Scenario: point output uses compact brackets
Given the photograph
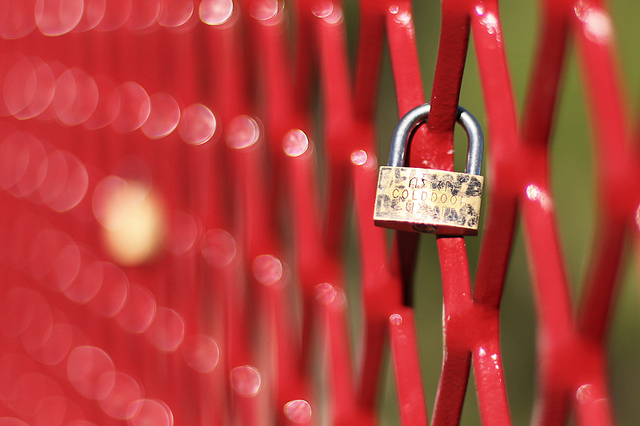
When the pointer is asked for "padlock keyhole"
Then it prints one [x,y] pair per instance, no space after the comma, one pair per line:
[429,229]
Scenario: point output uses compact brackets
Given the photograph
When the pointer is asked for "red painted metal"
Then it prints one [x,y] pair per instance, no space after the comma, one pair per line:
[471,318]
[406,364]
[246,296]
[563,338]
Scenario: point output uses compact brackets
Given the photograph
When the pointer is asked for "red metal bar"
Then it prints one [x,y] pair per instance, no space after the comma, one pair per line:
[343,398]
[606,102]
[404,61]
[561,339]
[470,325]
[502,147]
[406,364]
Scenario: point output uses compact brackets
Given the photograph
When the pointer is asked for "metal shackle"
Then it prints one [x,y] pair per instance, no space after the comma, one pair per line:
[418,115]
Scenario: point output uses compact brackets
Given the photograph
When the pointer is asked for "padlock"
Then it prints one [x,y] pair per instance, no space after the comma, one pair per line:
[426,200]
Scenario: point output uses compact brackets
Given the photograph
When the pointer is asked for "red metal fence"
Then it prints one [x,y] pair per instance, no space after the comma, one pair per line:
[186,188]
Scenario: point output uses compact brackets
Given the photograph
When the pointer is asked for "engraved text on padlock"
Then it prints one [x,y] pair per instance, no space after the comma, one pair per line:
[425,200]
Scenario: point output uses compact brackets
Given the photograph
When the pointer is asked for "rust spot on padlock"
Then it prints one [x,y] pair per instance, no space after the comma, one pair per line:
[426,200]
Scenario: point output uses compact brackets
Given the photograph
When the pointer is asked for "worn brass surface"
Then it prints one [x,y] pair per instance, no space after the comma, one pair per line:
[425,200]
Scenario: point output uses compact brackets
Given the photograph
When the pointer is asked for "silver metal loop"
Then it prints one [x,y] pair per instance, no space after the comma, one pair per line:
[419,115]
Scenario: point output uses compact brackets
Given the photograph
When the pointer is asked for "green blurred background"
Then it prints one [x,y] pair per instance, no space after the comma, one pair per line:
[573,186]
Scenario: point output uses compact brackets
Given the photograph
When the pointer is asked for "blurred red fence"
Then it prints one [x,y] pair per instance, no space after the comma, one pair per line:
[177,182]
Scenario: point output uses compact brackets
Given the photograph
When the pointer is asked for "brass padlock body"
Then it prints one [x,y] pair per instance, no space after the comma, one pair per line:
[426,200]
